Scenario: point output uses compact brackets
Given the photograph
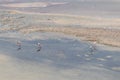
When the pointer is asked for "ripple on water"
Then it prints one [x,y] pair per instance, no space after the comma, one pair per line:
[101,59]
[116,68]
[108,57]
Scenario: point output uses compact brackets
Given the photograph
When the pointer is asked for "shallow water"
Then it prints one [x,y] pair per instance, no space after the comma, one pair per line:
[61,57]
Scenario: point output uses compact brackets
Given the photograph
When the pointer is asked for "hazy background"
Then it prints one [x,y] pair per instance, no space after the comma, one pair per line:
[102,8]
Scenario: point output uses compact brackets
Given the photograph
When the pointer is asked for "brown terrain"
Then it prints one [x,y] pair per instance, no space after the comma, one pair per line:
[103,36]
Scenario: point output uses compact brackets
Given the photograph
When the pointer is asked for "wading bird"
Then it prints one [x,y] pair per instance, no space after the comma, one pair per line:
[39,47]
[92,48]
[19,45]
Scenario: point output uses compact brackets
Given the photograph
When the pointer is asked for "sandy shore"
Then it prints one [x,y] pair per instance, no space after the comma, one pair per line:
[103,36]
[101,30]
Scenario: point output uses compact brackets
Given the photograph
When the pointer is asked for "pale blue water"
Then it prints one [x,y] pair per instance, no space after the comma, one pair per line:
[61,56]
